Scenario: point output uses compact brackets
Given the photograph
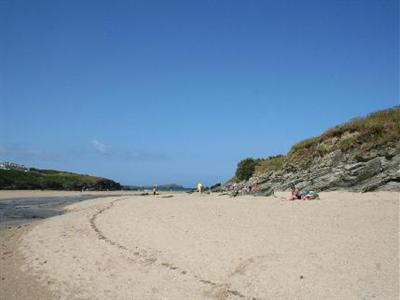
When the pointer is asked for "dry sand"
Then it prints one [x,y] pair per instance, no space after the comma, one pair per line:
[344,246]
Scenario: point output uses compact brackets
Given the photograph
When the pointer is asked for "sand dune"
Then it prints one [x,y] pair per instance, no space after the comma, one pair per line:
[344,246]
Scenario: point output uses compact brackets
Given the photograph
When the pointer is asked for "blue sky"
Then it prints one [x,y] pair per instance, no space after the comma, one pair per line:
[148,92]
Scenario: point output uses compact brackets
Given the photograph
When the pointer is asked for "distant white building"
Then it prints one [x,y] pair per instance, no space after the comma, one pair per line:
[12,166]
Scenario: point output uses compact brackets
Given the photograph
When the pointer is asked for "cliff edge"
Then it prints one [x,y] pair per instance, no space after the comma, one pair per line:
[362,155]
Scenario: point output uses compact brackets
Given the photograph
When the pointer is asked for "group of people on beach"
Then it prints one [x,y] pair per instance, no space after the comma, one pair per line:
[235,190]
[297,195]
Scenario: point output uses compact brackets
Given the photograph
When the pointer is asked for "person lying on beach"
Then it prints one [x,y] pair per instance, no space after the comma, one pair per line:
[305,196]
[309,195]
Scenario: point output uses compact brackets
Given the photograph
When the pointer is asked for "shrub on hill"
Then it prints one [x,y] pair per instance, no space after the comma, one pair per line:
[245,169]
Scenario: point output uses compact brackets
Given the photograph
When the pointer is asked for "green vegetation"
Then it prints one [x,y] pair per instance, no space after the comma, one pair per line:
[359,136]
[250,166]
[53,180]
[269,164]
[379,129]
[245,169]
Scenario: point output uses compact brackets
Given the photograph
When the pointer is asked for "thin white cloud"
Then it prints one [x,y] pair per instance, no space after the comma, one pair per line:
[98,146]
[121,154]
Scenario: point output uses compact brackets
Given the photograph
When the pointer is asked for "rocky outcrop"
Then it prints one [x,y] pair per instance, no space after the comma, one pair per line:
[375,170]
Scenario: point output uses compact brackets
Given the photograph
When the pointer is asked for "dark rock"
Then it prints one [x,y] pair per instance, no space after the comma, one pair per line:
[216,188]
[378,170]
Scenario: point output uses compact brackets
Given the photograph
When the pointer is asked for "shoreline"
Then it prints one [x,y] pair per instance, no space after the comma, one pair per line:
[11,194]
[23,207]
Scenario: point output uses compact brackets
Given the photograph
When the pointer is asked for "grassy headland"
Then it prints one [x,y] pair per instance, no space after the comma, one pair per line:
[53,180]
[359,136]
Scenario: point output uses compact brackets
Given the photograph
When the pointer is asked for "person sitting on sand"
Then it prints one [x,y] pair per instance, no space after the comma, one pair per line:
[295,193]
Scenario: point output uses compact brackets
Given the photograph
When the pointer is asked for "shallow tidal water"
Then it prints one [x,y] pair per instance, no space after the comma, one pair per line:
[25,210]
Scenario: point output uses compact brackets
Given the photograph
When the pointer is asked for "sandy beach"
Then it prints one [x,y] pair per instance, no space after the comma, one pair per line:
[344,246]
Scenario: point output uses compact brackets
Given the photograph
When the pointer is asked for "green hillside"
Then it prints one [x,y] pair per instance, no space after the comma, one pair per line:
[53,180]
[359,137]
[379,129]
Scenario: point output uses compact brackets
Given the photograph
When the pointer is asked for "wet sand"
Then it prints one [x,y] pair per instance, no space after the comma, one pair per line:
[24,207]
[344,246]
[11,194]
[14,283]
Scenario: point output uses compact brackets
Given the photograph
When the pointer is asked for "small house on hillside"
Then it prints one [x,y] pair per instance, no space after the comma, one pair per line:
[12,166]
